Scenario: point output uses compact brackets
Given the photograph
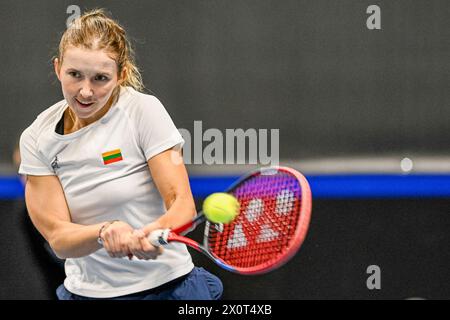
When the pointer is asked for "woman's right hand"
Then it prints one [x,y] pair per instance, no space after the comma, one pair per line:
[116,238]
[141,247]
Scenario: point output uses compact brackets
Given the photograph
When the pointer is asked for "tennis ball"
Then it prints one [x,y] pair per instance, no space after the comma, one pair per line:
[221,207]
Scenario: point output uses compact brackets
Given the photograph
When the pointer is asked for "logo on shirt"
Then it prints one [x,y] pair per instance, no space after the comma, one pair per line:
[112,156]
[55,163]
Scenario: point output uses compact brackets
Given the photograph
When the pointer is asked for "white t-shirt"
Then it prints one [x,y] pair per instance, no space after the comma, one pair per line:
[104,173]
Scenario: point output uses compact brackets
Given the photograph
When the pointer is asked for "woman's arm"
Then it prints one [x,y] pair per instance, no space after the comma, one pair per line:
[49,213]
[170,176]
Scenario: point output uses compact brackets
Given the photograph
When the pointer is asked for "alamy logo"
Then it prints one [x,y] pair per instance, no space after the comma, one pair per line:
[374,20]
[231,146]
[75,12]
[374,280]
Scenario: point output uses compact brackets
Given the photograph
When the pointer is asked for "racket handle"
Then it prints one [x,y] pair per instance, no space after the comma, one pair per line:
[159,237]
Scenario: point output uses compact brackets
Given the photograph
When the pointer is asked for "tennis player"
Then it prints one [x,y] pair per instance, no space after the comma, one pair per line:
[101,175]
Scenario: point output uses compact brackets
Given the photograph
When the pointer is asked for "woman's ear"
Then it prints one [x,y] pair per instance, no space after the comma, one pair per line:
[57,66]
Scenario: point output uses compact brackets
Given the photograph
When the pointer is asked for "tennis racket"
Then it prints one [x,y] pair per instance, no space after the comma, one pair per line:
[275,210]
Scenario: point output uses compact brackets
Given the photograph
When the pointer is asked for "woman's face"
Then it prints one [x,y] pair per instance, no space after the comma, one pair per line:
[88,79]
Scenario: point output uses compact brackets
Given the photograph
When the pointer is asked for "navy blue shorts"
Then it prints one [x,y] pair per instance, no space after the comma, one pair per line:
[199,284]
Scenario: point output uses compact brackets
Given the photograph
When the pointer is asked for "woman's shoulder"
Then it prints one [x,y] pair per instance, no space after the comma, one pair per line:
[44,123]
[136,103]
[49,117]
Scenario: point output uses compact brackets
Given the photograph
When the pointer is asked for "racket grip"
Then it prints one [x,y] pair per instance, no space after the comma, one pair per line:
[159,237]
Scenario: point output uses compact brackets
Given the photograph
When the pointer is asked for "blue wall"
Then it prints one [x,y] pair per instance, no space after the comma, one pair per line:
[322,186]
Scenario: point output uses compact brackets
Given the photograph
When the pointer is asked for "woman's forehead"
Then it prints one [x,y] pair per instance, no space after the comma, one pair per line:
[89,59]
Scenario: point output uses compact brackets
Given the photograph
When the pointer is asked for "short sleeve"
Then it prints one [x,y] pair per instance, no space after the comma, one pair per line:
[32,162]
[155,129]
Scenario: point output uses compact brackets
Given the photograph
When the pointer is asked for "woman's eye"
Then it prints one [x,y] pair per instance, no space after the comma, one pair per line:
[101,78]
[74,74]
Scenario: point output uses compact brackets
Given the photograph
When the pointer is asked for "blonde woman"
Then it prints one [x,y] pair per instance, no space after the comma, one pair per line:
[101,175]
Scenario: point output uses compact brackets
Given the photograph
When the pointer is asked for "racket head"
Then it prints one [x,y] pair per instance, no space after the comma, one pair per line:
[275,211]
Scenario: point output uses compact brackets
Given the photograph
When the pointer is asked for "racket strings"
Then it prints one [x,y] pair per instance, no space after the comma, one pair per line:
[270,207]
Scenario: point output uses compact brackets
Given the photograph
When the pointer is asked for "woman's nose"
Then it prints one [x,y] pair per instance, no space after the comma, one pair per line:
[86,90]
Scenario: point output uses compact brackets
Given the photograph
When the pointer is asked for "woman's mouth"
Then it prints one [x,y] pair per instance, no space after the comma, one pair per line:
[84,105]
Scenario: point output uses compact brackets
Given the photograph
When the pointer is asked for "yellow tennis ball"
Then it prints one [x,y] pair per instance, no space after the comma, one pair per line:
[221,207]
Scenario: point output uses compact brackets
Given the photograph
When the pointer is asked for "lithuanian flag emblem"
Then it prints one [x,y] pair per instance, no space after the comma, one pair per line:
[112,156]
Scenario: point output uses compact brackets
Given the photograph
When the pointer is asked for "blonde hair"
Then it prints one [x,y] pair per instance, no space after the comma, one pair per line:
[95,30]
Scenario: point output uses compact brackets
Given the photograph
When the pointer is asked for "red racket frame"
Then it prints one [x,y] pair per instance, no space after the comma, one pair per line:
[162,237]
